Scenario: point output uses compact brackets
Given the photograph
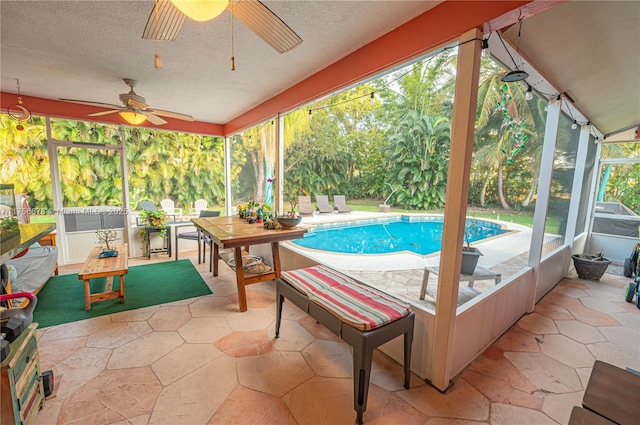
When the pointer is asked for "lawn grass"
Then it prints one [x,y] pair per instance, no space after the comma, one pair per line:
[524,218]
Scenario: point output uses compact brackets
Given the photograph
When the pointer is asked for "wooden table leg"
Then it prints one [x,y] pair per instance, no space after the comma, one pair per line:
[242,294]
[87,295]
[121,289]
[425,281]
[275,253]
[216,257]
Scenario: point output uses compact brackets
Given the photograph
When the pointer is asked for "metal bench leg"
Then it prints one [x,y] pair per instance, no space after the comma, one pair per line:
[362,358]
[279,302]
[408,341]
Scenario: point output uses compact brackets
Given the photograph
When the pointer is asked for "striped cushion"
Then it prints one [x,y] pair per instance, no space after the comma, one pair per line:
[313,279]
[355,304]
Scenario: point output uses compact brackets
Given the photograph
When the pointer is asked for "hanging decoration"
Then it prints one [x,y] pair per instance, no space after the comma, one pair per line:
[516,127]
[18,111]
[233,58]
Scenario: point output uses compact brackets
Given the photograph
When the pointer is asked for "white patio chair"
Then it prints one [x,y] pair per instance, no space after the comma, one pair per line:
[200,205]
[169,207]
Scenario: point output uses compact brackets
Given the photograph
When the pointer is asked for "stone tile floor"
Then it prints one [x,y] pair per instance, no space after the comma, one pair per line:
[201,361]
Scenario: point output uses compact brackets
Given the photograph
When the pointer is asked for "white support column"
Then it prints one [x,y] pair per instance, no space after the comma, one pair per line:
[542,198]
[463,126]
[279,204]
[228,207]
[578,178]
[56,192]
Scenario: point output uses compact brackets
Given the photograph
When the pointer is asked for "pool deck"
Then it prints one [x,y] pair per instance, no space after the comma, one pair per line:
[401,273]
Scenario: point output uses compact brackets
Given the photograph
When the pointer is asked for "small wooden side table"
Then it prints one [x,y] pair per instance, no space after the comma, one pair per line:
[480,273]
[109,267]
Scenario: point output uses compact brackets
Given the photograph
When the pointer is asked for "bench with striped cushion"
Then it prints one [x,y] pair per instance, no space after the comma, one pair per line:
[360,306]
[362,316]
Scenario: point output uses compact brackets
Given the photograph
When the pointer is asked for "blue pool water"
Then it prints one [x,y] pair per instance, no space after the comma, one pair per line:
[422,235]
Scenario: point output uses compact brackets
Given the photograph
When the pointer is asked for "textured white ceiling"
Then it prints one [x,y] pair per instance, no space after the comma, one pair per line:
[83,49]
[589,50]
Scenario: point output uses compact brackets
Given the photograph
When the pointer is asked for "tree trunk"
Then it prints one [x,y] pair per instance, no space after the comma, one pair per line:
[483,191]
[258,167]
[503,202]
[532,190]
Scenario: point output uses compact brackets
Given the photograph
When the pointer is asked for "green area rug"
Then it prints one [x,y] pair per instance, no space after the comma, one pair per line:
[61,300]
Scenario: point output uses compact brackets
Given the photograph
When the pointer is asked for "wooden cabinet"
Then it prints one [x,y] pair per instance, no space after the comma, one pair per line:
[21,390]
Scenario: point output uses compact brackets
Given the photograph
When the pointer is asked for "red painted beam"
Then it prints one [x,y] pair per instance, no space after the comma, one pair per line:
[69,110]
[439,25]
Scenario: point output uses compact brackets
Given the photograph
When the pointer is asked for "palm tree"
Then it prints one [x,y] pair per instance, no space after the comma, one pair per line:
[505,103]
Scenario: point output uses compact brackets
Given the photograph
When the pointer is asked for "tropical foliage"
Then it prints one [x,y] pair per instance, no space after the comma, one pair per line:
[391,132]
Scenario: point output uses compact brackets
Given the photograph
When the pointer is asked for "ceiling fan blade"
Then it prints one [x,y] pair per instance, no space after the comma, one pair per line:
[99,114]
[88,102]
[136,104]
[165,24]
[153,118]
[170,114]
[266,25]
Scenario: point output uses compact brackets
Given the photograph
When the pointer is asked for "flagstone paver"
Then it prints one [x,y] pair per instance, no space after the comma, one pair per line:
[578,331]
[242,344]
[206,362]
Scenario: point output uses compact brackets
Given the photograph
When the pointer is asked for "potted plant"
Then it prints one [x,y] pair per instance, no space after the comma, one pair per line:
[106,236]
[384,208]
[154,219]
[290,218]
[590,267]
[470,255]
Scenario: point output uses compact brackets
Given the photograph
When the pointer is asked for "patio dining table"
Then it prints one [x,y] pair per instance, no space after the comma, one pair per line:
[236,233]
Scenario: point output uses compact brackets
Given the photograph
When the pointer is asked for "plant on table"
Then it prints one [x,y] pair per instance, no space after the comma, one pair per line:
[470,255]
[292,193]
[156,219]
[106,236]
[471,231]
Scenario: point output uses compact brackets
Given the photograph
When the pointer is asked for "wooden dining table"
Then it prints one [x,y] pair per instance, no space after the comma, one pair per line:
[237,234]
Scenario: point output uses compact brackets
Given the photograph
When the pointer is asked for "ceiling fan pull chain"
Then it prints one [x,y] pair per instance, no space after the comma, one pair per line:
[233,58]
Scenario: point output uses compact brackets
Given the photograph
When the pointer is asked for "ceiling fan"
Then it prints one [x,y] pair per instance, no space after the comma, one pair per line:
[167,18]
[135,110]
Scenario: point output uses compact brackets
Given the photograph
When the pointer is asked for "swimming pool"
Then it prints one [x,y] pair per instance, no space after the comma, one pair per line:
[421,235]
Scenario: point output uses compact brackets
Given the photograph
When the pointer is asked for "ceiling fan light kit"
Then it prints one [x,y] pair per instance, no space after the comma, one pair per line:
[201,10]
[167,18]
[132,117]
[135,110]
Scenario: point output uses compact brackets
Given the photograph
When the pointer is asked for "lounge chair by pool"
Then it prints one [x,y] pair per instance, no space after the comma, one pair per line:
[322,204]
[340,204]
